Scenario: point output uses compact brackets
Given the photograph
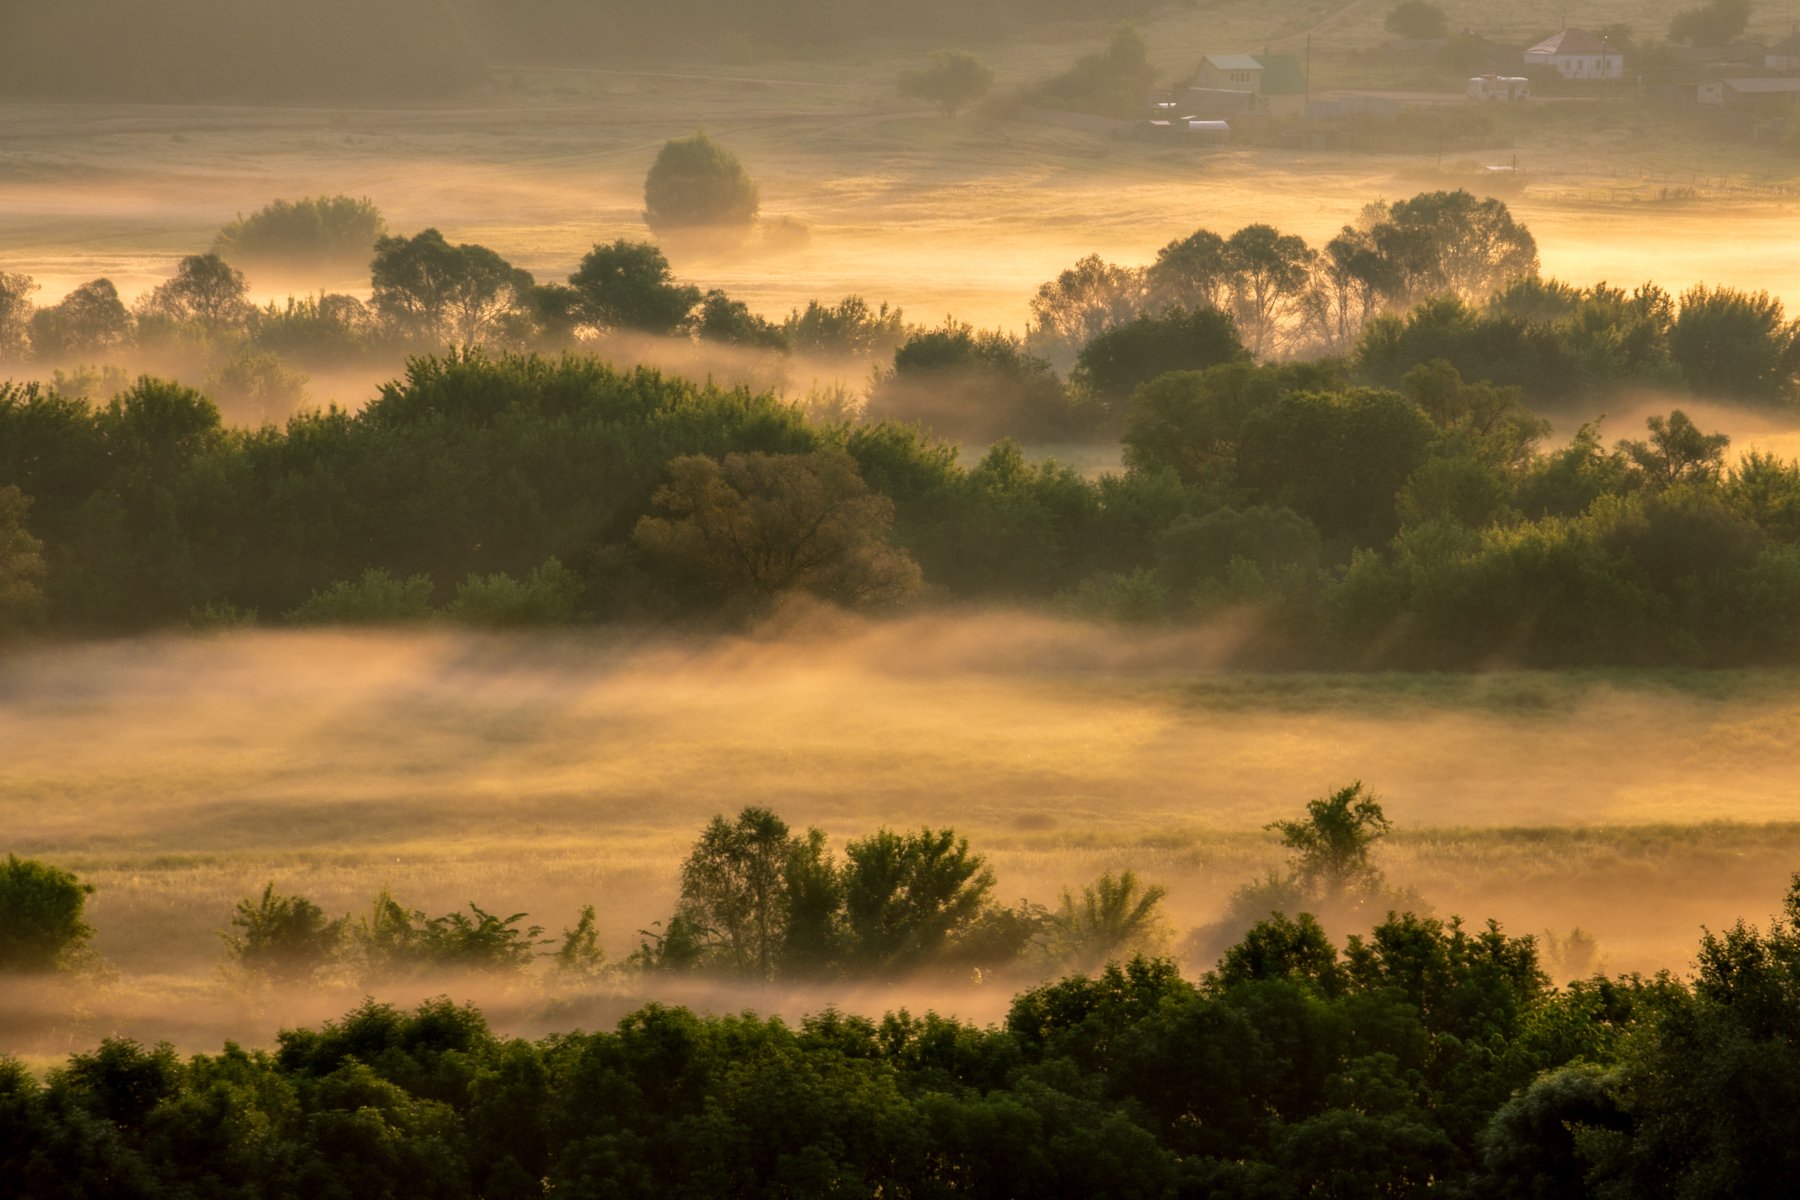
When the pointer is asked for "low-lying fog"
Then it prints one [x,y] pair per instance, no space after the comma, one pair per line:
[542,773]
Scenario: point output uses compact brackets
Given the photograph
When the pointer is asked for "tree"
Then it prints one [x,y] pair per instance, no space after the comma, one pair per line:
[1718,23]
[318,232]
[851,328]
[1352,281]
[21,564]
[1733,344]
[1080,304]
[972,384]
[1450,243]
[1194,272]
[15,316]
[284,939]
[425,288]
[206,290]
[734,885]
[722,319]
[628,285]
[40,915]
[1417,19]
[1114,82]
[1331,846]
[906,896]
[1115,917]
[954,80]
[89,320]
[1269,271]
[1677,452]
[1113,365]
[697,183]
[753,527]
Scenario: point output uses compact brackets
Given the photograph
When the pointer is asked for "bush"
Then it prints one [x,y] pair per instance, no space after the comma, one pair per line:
[397,941]
[320,232]
[286,939]
[697,183]
[954,80]
[547,596]
[1417,19]
[40,915]
[374,598]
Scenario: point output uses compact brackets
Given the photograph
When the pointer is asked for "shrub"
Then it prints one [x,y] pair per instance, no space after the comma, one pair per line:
[374,598]
[696,183]
[579,959]
[547,596]
[954,80]
[286,939]
[395,940]
[40,915]
[318,232]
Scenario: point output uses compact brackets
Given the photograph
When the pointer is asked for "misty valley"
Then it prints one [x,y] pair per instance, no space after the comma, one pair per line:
[1104,598]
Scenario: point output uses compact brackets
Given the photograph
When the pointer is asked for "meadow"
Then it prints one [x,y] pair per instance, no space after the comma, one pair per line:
[542,773]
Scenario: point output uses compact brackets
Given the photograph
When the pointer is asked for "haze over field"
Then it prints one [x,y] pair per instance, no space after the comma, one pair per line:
[1150,593]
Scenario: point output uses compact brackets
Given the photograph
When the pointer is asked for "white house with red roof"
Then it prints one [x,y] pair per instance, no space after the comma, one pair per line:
[1577,54]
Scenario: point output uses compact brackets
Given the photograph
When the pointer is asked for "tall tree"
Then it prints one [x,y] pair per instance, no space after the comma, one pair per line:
[428,289]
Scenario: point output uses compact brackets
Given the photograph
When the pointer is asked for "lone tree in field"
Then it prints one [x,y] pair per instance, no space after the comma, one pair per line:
[696,183]
[1331,846]
[40,915]
[954,80]
[319,232]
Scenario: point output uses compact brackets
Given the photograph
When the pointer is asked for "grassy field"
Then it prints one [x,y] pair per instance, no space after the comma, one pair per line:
[179,775]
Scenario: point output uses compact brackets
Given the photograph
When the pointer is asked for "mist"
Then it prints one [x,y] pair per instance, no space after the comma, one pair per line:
[542,773]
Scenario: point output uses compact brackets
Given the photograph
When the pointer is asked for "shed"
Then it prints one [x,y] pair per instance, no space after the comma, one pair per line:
[1237,72]
[1284,86]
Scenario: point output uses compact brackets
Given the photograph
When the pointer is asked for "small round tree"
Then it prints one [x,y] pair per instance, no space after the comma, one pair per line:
[697,183]
[40,915]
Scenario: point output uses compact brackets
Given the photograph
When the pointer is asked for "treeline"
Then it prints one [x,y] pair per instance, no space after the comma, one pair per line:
[759,901]
[1425,1058]
[202,50]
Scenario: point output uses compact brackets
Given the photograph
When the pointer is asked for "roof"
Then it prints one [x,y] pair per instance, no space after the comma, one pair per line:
[1572,41]
[1232,62]
[1789,84]
[1282,75]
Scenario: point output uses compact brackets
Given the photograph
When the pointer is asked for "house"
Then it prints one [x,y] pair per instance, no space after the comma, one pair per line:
[1283,88]
[1577,54]
[1229,72]
[1783,55]
[1267,85]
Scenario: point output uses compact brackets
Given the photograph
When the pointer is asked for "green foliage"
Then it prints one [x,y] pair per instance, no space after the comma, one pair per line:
[1735,344]
[954,80]
[546,597]
[908,896]
[1117,362]
[697,183]
[628,285]
[375,597]
[1115,918]
[722,319]
[1331,846]
[973,386]
[317,232]
[206,290]
[579,959]
[393,941]
[89,320]
[41,926]
[284,939]
[1114,82]
[427,290]
[1717,23]
[848,329]
[734,886]
[15,316]
[756,527]
[21,565]
[1416,19]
